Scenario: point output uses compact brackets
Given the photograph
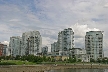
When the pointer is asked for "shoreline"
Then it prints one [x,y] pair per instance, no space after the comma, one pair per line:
[44,68]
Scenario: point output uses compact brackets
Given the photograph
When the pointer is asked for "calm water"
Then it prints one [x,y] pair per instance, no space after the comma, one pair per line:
[80,70]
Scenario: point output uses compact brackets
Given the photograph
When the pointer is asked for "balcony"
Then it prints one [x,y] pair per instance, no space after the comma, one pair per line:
[99,38]
[100,52]
[88,44]
[88,37]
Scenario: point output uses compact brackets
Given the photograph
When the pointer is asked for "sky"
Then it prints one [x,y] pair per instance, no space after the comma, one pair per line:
[52,16]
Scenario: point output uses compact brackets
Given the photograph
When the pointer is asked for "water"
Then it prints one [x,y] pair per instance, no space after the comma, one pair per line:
[80,70]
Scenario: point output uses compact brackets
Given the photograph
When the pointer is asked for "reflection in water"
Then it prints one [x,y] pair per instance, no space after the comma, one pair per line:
[80,70]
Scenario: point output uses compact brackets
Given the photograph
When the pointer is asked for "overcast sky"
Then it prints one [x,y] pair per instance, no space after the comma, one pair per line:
[51,16]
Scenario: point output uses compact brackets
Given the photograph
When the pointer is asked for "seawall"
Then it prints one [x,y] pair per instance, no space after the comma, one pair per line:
[44,68]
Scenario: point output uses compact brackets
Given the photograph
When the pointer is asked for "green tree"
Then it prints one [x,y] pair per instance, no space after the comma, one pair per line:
[104,60]
[74,59]
[92,60]
[8,57]
[23,58]
[79,60]
[99,60]
[53,60]
[49,59]
[17,57]
[44,58]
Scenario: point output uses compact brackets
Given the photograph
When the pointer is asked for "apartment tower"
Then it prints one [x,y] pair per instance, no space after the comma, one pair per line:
[15,45]
[94,44]
[65,41]
[31,42]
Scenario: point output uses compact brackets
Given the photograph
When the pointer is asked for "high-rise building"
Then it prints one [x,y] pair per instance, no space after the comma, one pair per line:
[44,50]
[94,44]
[15,45]
[65,41]
[64,44]
[5,50]
[54,47]
[31,43]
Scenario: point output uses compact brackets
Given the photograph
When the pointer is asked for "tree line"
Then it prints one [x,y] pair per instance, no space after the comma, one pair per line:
[40,59]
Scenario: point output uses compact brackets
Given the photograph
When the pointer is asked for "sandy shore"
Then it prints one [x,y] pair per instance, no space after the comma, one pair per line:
[45,68]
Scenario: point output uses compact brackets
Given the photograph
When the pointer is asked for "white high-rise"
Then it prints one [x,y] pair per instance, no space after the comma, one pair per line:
[15,45]
[31,42]
[44,50]
[94,44]
[65,41]
[54,48]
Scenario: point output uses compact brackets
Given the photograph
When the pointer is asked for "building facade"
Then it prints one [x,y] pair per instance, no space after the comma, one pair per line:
[5,50]
[79,53]
[44,50]
[65,41]
[31,43]
[94,44]
[1,49]
[54,47]
[15,45]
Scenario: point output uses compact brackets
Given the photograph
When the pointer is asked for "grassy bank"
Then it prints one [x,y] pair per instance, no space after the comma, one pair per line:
[16,62]
[19,62]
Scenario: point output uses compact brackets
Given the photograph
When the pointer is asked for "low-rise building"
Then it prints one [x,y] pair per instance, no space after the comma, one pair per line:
[59,58]
[79,53]
[1,49]
[5,50]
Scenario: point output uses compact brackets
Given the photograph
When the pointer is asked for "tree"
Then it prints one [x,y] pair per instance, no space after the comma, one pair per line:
[23,58]
[44,58]
[17,57]
[49,59]
[105,60]
[72,59]
[92,60]
[53,60]
[79,60]
[99,60]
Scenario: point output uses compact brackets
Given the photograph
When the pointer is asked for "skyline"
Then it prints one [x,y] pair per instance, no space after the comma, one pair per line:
[50,17]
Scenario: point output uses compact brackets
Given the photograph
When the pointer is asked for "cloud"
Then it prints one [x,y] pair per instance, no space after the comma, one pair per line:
[80,32]
[79,43]
[50,16]
[14,20]
[81,29]
[46,41]
[5,42]
[106,5]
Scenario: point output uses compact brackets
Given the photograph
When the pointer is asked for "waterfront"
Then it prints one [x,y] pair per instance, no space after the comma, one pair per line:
[79,70]
[55,68]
